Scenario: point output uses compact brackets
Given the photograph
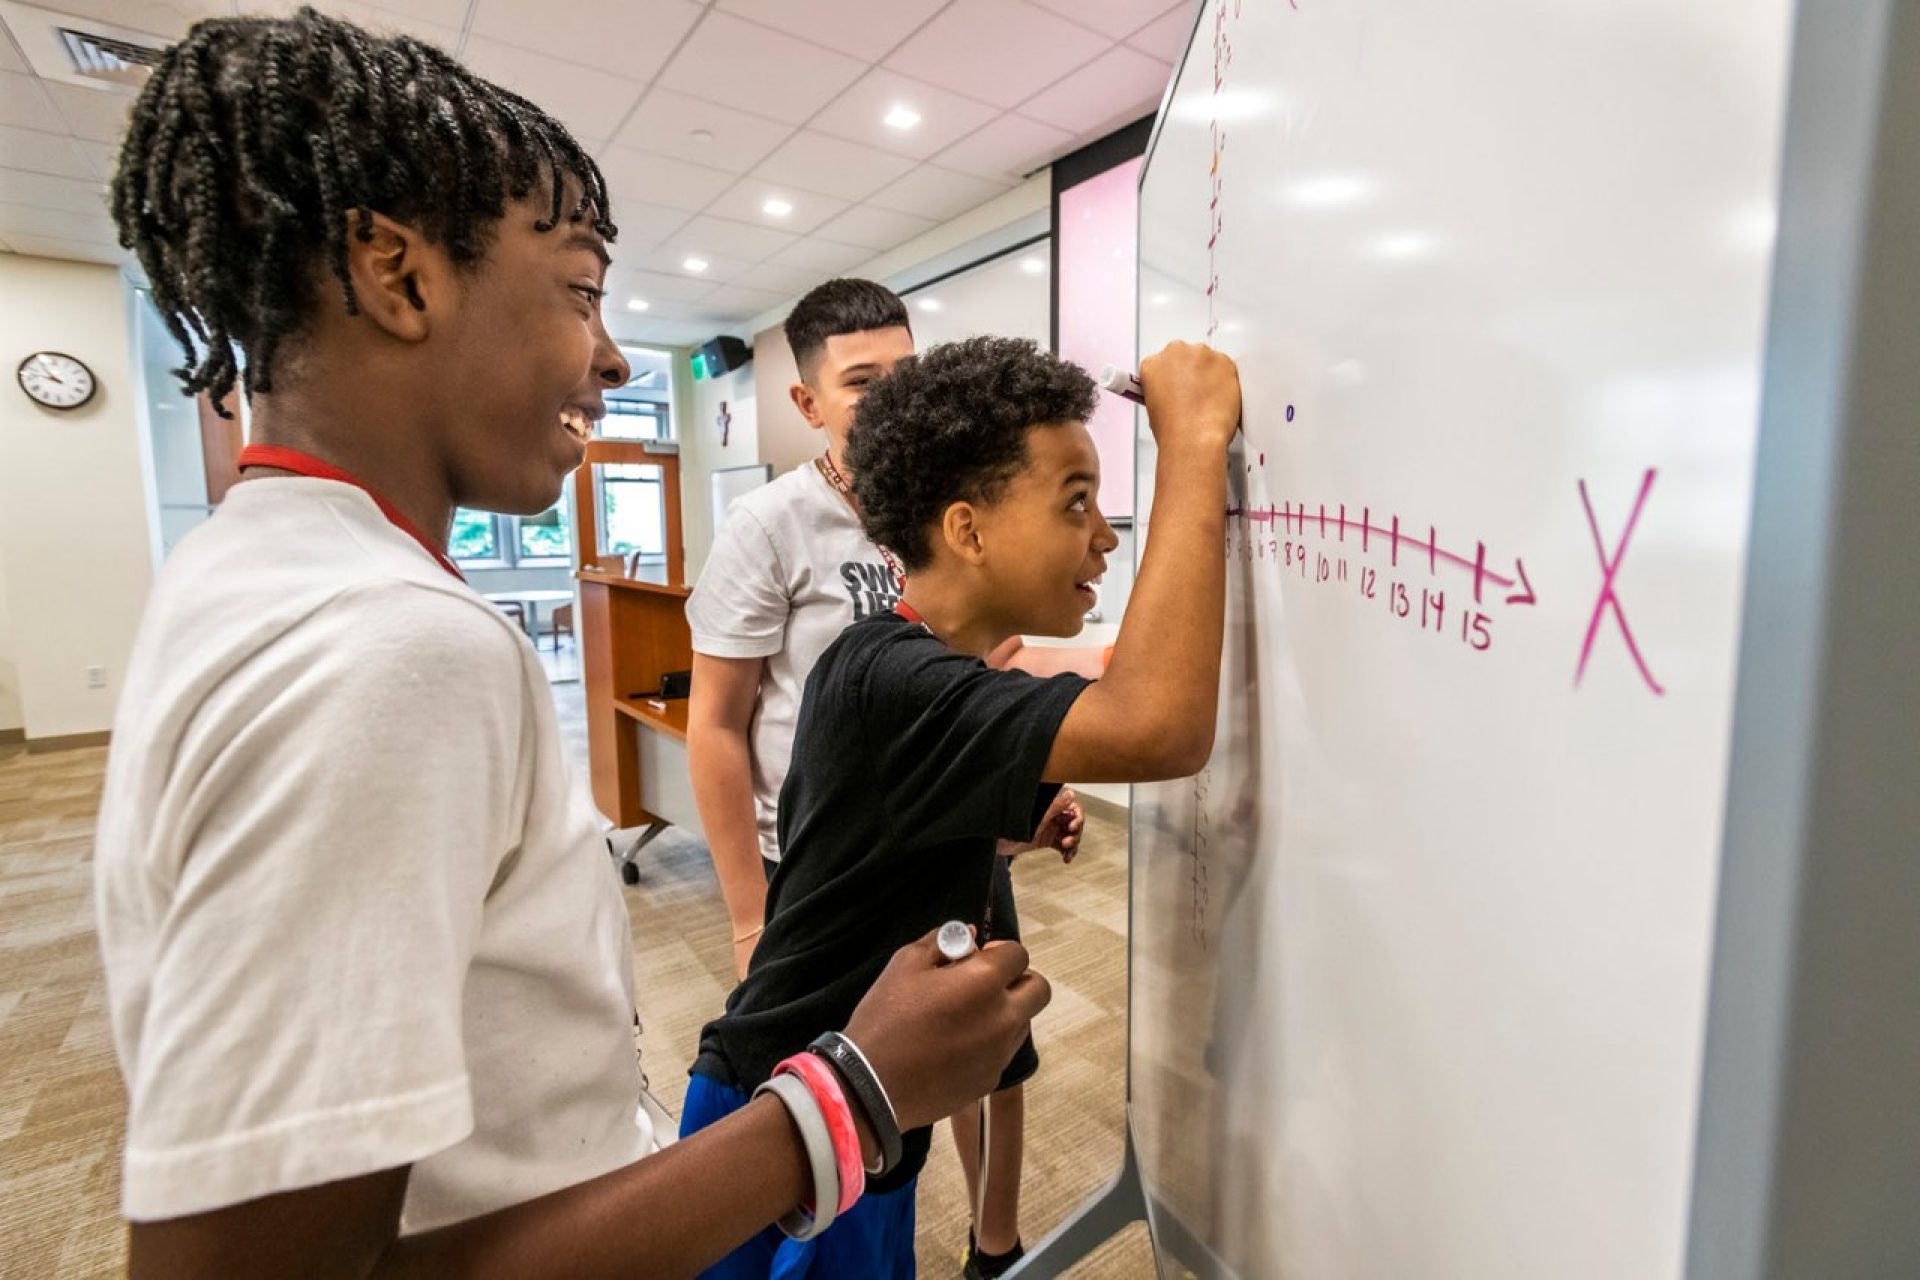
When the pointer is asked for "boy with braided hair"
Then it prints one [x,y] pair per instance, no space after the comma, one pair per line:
[369,976]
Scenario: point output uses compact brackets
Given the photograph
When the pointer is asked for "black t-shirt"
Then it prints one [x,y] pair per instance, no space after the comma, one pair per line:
[910,761]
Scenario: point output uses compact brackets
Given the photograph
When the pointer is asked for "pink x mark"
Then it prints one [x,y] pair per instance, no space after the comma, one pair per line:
[1609,569]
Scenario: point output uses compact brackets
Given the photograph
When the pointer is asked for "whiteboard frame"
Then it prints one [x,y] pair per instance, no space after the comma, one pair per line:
[1807,1152]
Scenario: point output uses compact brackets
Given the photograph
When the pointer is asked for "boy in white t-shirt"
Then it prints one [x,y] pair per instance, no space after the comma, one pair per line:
[368,971]
[791,569]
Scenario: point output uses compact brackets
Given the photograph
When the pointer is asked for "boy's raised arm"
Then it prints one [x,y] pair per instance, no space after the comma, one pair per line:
[1152,715]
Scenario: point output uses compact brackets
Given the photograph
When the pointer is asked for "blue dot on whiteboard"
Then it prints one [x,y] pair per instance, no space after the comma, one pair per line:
[1289,413]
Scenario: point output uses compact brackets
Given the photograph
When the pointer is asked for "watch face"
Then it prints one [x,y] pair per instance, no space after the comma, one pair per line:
[57,381]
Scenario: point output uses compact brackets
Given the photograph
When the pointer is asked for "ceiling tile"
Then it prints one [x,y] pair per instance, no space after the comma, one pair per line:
[33,220]
[1167,37]
[667,121]
[420,23]
[23,104]
[631,38]
[1115,18]
[706,236]
[859,114]
[643,224]
[657,179]
[99,115]
[102,157]
[69,195]
[876,229]
[862,28]
[1000,51]
[167,18]
[1010,147]
[746,201]
[38,152]
[57,247]
[445,13]
[663,332]
[1119,85]
[656,287]
[738,303]
[833,166]
[932,192]
[820,256]
[759,69]
[589,102]
[788,282]
[667,260]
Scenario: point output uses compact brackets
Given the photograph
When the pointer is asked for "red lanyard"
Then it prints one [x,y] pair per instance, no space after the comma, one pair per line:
[301,464]
[909,613]
[839,482]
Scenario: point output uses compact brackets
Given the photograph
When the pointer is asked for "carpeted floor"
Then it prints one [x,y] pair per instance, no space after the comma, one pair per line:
[62,1108]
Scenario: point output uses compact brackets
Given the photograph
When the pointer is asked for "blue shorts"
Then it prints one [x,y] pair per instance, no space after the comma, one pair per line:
[873,1242]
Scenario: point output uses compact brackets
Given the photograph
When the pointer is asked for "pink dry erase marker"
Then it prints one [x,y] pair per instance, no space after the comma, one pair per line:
[1122,382]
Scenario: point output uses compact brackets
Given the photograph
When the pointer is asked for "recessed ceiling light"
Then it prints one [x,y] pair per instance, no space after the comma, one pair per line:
[1032,266]
[902,117]
[695,264]
[928,304]
[775,207]
[636,304]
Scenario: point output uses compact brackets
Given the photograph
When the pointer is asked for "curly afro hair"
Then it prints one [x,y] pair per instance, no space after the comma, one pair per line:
[950,425]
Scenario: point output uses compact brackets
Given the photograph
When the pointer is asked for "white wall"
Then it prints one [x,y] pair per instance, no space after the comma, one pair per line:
[11,720]
[701,453]
[75,552]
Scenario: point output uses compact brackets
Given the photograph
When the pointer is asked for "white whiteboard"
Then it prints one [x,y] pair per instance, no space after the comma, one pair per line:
[1420,962]
[729,483]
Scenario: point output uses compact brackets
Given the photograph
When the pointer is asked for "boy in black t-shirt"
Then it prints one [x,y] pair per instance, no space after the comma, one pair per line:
[912,758]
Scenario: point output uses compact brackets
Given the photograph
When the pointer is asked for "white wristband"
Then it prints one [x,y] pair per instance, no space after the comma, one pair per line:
[812,1124]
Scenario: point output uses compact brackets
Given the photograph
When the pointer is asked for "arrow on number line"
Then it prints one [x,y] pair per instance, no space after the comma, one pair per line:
[1525,594]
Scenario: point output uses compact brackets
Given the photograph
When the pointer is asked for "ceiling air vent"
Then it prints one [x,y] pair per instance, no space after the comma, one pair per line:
[100,57]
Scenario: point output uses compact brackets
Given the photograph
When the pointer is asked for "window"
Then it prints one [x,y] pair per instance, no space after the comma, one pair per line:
[634,505]
[545,536]
[476,536]
[482,539]
[635,420]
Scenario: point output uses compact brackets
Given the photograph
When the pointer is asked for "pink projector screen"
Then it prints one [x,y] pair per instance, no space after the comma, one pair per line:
[1097,238]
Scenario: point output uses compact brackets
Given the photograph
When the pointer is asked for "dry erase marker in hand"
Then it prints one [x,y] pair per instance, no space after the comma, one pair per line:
[1122,382]
[955,941]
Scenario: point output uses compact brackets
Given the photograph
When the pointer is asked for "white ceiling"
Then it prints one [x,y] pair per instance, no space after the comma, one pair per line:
[700,112]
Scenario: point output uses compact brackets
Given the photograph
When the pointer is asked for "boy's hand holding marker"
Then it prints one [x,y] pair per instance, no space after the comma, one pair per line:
[939,1033]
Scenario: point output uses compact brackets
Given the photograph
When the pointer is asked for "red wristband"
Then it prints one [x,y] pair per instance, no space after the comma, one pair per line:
[824,1084]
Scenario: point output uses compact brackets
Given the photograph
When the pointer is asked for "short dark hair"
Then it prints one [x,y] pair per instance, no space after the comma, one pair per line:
[255,141]
[837,307]
[950,425]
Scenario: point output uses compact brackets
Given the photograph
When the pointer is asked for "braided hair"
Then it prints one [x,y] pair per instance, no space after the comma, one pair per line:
[258,142]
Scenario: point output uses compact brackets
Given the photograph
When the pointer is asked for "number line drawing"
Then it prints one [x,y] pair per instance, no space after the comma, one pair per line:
[1294,519]
[1608,597]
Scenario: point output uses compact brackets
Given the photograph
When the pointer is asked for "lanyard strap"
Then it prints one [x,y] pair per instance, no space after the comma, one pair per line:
[838,481]
[909,613]
[281,458]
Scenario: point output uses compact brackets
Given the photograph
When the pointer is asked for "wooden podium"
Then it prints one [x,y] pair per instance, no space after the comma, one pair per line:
[633,630]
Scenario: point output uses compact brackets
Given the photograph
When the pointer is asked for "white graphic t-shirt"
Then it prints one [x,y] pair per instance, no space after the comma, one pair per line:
[791,568]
